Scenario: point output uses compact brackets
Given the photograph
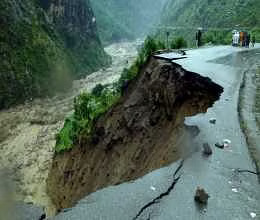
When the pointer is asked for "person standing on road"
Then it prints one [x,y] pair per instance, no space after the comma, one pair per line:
[236,38]
[247,40]
[253,40]
[244,39]
[198,38]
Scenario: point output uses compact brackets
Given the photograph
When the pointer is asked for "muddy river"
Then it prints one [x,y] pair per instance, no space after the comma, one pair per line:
[27,136]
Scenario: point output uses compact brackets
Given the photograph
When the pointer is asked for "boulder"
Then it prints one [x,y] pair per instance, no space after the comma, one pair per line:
[201,196]
[212,120]
[207,149]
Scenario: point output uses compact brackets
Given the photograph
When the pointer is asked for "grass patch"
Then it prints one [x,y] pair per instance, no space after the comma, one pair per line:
[178,43]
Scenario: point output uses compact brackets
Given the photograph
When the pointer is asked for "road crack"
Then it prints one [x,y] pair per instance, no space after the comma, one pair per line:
[247,171]
[166,193]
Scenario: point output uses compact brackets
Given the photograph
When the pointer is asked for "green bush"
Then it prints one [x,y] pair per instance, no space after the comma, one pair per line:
[150,46]
[217,37]
[178,43]
[87,109]
[256,33]
[64,139]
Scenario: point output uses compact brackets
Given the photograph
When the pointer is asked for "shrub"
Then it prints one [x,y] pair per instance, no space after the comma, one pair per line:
[178,43]
[87,109]
[217,37]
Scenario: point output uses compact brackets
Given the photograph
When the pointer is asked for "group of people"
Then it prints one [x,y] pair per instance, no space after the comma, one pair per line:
[242,39]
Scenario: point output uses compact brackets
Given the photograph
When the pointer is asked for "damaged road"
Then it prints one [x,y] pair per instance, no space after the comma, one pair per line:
[158,198]
[233,195]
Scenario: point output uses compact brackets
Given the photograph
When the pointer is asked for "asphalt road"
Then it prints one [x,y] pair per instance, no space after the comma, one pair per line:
[233,195]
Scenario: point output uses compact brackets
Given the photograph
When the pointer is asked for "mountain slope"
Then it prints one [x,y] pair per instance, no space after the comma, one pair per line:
[36,56]
[213,13]
[75,21]
[219,15]
[119,19]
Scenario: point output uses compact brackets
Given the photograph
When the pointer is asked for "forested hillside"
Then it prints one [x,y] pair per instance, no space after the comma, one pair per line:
[117,19]
[43,44]
[212,15]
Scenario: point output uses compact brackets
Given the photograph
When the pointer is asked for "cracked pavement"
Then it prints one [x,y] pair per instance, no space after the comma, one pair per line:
[233,195]
[166,193]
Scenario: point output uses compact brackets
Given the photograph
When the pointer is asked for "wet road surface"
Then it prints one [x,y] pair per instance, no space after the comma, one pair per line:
[233,195]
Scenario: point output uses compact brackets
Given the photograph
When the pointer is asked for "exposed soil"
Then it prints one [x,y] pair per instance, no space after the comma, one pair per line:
[143,132]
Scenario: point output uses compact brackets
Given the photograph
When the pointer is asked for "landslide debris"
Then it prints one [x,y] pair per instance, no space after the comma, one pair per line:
[144,131]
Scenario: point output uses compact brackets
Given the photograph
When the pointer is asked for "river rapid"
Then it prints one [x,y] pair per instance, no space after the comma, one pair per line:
[27,137]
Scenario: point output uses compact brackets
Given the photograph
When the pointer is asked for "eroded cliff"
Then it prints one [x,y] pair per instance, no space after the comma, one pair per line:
[144,131]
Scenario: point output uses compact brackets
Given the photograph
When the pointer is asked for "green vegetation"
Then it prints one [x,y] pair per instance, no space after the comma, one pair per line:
[217,37]
[256,33]
[88,107]
[178,43]
[89,57]
[35,60]
[151,45]
[217,17]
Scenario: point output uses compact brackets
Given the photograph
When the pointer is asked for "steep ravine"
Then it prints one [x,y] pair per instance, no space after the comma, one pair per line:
[143,132]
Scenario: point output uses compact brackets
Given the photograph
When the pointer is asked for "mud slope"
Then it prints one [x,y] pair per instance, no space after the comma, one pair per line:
[143,132]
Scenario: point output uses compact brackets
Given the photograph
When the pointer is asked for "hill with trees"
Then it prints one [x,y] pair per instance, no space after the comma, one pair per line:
[218,17]
[43,45]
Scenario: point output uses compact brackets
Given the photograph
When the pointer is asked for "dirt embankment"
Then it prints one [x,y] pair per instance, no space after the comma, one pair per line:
[143,132]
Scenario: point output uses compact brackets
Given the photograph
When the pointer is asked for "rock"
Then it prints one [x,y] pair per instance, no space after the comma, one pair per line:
[201,196]
[219,145]
[226,142]
[153,188]
[252,214]
[213,120]
[207,149]
[234,190]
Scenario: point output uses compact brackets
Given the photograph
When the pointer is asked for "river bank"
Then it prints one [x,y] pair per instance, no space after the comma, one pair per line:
[28,131]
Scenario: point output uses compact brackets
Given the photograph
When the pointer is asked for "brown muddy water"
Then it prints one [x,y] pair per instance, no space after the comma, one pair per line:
[27,136]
